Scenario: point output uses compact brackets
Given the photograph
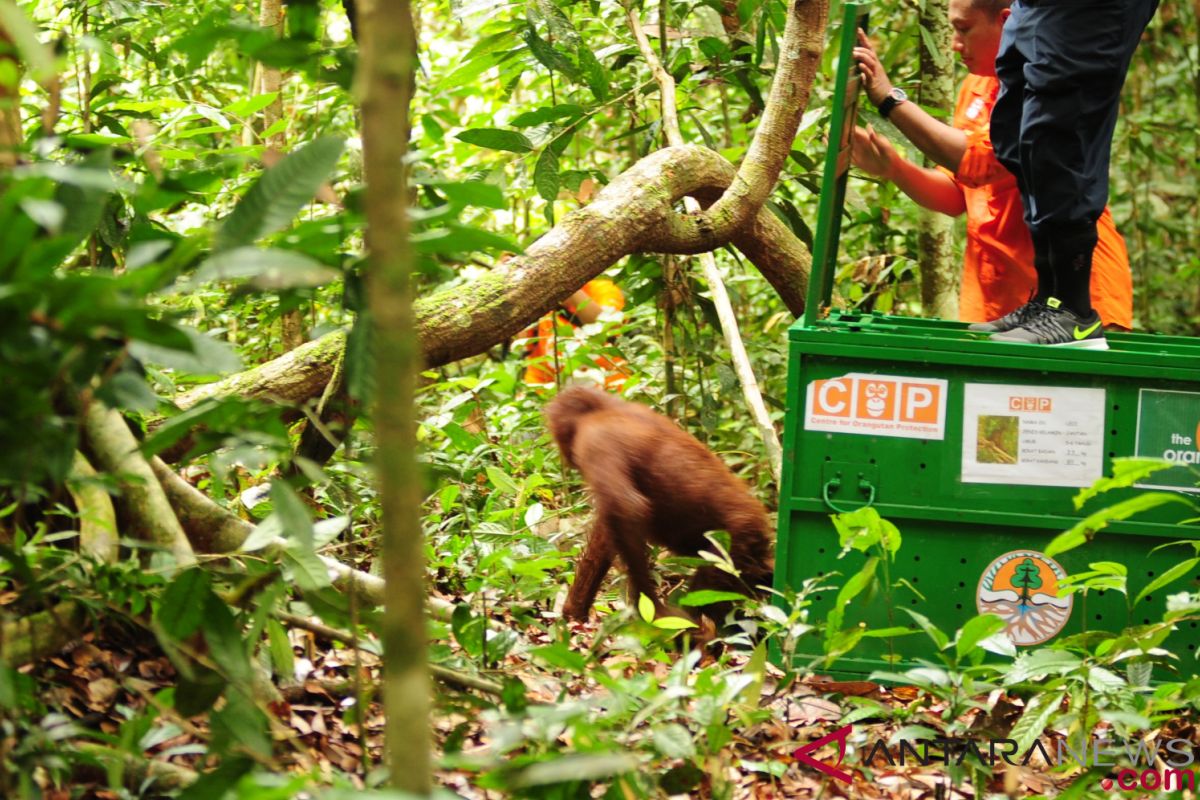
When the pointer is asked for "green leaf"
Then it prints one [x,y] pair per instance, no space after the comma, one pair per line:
[545,175]
[250,105]
[548,56]
[1126,472]
[293,514]
[308,570]
[706,597]
[540,116]
[1088,526]
[1033,722]
[471,193]
[594,73]
[1170,576]
[976,630]
[283,660]
[23,33]
[672,623]
[183,602]
[225,643]
[673,740]
[645,608]
[502,481]
[561,656]
[572,768]
[279,194]
[497,139]
[268,269]
[935,53]
[935,633]
[1040,664]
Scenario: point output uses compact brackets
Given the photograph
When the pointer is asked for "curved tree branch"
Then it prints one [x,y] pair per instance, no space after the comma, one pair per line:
[708,262]
[116,450]
[799,55]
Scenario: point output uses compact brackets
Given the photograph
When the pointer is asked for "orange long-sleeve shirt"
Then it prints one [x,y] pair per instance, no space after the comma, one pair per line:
[998,274]
[540,370]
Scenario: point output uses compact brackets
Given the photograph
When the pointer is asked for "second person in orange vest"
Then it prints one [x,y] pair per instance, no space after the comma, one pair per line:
[998,277]
[581,308]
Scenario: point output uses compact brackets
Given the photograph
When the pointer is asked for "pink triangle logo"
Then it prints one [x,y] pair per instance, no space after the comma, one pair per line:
[840,736]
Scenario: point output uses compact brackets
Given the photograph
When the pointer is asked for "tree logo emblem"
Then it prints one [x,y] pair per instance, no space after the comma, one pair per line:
[1021,587]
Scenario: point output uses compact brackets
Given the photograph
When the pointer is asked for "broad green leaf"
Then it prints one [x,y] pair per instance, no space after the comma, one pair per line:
[645,608]
[456,238]
[1170,576]
[673,740]
[279,194]
[706,597]
[572,768]
[541,116]
[23,33]
[264,533]
[502,481]
[939,637]
[1041,664]
[225,643]
[561,656]
[293,514]
[497,139]
[1087,527]
[471,193]
[975,631]
[1033,722]
[549,57]
[308,570]
[545,175]
[182,605]
[283,660]
[594,73]
[268,269]
[250,105]
[1126,472]
[672,623]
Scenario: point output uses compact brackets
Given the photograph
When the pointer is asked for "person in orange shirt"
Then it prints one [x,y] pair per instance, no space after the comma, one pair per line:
[582,308]
[999,281]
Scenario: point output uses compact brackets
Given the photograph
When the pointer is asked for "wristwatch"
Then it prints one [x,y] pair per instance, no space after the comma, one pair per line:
[894,98]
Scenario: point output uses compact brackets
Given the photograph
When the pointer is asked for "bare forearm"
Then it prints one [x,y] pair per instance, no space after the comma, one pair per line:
[928,187]
[942,143]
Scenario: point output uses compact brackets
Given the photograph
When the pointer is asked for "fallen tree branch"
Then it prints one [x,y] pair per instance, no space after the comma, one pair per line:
[139,768]
[43,634]
[151,517]
[445,674]
[294,377]
[97,518]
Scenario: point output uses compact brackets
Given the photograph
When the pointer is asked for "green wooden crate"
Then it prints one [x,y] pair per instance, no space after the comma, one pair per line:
[974,449]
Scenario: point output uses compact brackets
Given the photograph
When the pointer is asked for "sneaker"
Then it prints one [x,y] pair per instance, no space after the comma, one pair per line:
[1013,319]
[1058,327]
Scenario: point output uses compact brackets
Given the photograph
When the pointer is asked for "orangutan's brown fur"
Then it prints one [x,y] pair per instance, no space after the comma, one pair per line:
[652,482]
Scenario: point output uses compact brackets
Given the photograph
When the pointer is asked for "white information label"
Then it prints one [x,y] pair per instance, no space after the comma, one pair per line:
[877,405]
[1032,435]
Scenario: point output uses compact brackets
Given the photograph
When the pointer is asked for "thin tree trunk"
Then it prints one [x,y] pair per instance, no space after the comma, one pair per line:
[270,15]
[937,260]
[387,56]
[10,103]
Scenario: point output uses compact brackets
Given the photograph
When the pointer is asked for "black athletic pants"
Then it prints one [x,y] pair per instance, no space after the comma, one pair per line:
[1061,66]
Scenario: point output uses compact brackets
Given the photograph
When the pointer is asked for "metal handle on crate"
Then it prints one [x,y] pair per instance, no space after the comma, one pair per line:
[835,483]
